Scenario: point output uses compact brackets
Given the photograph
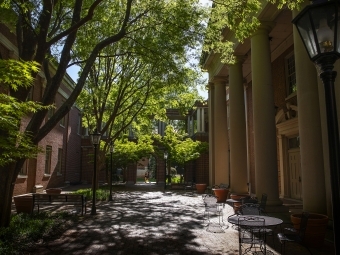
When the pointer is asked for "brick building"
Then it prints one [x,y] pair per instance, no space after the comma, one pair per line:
[57,164]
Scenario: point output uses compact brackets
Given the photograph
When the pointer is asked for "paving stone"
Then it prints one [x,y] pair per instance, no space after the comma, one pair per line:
[150,221]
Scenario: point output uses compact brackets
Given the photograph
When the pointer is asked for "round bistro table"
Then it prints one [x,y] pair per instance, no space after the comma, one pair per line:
[268,221]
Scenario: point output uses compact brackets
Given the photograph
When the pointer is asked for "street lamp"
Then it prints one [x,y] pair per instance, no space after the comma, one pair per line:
[165,158]
[95,139]
[111,151]
[319,27]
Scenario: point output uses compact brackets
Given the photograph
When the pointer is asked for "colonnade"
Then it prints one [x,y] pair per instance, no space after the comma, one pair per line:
[228,141]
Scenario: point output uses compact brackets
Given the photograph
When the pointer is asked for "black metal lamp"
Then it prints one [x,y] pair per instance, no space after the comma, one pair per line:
[165,161]
[95,139]
[319,27]
[111,152]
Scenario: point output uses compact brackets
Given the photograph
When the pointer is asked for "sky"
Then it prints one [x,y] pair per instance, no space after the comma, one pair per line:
[73,70]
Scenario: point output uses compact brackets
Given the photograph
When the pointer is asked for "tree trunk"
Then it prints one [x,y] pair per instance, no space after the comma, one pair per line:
[7,177]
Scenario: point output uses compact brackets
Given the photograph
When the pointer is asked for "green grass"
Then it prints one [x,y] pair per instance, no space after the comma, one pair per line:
[102,193]
[26,230]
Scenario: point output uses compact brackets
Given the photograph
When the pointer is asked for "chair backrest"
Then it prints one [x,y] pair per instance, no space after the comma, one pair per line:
[303,224]
[209,200]
[263,201]
[249,209]
[251,225]
[249,200]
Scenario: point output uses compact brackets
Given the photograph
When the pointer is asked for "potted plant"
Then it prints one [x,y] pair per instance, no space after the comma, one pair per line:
[238,197]
[53,191]
[221,194]
[200,188]
[23,203]
[316,228]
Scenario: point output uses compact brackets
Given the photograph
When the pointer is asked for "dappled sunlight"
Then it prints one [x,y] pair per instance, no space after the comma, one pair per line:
[153,222]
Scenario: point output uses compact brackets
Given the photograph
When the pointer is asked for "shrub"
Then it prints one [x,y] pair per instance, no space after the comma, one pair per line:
[25,230]
[101,194]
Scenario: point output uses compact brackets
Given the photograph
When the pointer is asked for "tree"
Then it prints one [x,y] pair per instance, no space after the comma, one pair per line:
[14,142]
[42,28]
[47,32]
[127,152]
[181,149]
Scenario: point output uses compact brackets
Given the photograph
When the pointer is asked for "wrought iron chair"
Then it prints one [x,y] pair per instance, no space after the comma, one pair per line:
[211,207]
[251,232]
[249,200]
[263,204]
[254,209]
[290,234]
[249,209]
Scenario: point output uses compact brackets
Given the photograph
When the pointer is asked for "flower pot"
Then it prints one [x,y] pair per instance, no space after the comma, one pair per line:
[316,228]
[53,191]
[23,203]
[221,194]
[237,197]
[200,188]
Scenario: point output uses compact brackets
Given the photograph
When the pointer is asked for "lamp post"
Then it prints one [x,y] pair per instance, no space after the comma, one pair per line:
[165,161]
[95,139]
[319,27]
[111,151]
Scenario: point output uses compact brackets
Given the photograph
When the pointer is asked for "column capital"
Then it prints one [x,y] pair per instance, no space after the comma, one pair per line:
[239,59]
[220,79]
[209,86]
[265,27]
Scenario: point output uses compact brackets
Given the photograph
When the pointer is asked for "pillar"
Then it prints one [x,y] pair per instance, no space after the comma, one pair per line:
[211,133]
[312,165]
[220,130]
[266,172]
[238,138]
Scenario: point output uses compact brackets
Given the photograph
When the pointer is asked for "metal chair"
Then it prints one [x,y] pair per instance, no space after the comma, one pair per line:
[254,209]
[263,203]
[290,234]
[211,207]
[249,209]
[251,233]
[249,200]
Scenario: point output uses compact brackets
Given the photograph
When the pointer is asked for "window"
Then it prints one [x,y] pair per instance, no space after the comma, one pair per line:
[24,168]
[48,159]
[294,142]
[60,161]
[290,74]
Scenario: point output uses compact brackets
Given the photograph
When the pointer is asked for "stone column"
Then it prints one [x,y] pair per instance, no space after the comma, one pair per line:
[266,172]
[211,133]
[238,138]
[312,165]
[220,130]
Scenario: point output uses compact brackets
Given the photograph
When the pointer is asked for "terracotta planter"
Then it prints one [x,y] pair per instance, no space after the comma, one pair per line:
[237,197]
[316,228]
[200,188]
[53,191]
[23,203]
[221,194]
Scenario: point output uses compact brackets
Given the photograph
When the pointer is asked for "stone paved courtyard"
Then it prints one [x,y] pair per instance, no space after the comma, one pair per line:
[150,221]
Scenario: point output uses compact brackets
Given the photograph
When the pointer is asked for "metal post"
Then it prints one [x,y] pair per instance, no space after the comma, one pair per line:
[328,77]
[110,196]
[165,174]
[94,182]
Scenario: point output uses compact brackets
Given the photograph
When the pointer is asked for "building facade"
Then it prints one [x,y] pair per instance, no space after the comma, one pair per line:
[58,163]
[267,118]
